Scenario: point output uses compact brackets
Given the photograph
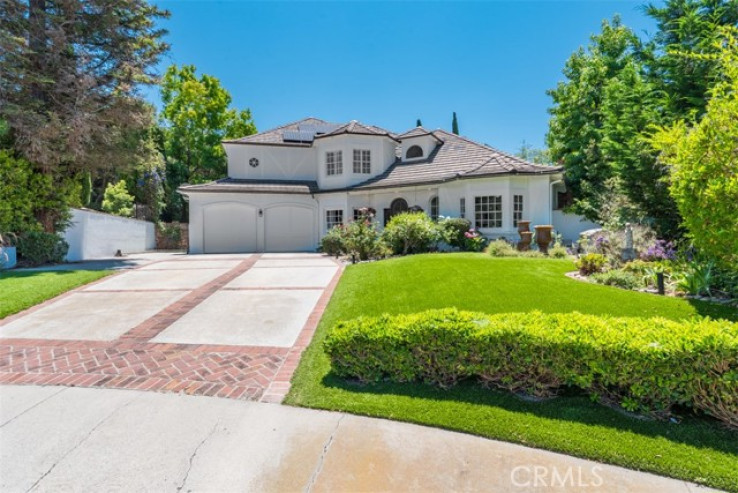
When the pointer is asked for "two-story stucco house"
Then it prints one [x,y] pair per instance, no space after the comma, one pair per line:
[288,186]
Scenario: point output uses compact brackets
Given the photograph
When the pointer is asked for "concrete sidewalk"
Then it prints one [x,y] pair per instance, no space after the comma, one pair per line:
[76,439]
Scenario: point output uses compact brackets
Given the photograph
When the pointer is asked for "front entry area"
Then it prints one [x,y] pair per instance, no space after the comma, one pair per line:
[233,227]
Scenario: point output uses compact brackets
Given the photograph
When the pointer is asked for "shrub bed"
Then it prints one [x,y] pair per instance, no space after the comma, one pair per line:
[644,365]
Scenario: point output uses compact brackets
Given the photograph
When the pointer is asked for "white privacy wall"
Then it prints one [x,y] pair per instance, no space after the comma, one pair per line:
[570,225]
[94,235]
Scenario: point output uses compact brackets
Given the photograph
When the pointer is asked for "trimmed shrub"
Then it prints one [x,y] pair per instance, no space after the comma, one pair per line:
[38,248]
[411,232]
[628,361]
[332,243]
[501,248]
[558,251]
[591,263]
[617,278]
[453,229]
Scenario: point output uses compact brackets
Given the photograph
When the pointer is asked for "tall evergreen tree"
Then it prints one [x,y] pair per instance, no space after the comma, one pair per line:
[576,127]
[455,125]
[71,71]
[687,27]
[418,123]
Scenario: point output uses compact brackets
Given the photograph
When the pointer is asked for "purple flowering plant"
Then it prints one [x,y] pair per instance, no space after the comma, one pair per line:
[660,250]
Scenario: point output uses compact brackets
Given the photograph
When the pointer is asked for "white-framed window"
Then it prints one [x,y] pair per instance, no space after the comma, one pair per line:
[462,207]
[334,163]
[488,211]
[434,208]
[362,161]
[517,209]
[333,217]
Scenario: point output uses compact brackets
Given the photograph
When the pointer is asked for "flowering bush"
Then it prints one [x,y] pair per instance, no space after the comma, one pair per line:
[358,239]
[660,250]
[453,229]
[474,242]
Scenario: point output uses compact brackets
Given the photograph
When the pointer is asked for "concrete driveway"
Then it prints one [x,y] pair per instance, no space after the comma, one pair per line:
[225,325]
[71,439]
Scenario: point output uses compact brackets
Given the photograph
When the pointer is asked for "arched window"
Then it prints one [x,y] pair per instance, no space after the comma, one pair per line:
[398,206]
[413,152]
[434,208]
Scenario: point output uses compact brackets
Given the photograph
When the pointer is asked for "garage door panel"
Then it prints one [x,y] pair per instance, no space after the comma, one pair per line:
[289,229]
[229,228]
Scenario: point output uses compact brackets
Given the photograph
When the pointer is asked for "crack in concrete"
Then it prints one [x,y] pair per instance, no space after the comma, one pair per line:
[77,445]
[34,406]
[194,453]
[319,466]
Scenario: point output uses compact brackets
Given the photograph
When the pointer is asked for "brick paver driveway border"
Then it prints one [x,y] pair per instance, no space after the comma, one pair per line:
[132,361]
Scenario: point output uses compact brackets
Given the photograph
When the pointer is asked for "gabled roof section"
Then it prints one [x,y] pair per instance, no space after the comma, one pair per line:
[417,132]
[454,158]
[275,136]
[358,128]
[303,132]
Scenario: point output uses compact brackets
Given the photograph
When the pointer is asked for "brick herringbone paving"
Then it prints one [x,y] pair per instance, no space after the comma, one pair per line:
[132,362]
[236,372]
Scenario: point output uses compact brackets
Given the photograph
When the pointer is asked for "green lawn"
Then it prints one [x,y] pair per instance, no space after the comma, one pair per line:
[696,449]
[23,289]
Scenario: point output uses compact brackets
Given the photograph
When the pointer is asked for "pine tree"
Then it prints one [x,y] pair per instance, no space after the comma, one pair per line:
[455,125]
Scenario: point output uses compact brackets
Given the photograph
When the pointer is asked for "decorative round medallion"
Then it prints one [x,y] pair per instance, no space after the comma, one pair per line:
[253,162]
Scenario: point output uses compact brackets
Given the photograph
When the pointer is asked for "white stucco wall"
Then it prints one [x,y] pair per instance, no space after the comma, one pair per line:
[570,225]
[94,235]
[275,162]
[382,156]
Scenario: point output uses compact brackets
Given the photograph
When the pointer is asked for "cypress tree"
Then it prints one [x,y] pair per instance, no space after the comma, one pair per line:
[455,125]
[418,123]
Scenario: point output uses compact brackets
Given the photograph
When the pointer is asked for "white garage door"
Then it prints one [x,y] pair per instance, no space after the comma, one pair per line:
[229,227]
[289,228]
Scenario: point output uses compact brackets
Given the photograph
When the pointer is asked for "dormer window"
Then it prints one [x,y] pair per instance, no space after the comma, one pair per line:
[414,152]
[333,163]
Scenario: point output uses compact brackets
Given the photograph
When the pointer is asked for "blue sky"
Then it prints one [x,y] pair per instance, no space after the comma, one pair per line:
[388,63]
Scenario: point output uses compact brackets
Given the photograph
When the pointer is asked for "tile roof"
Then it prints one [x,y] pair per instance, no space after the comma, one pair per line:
[253,186]
[355,127]
[455,158]
[416,132]
[275,136]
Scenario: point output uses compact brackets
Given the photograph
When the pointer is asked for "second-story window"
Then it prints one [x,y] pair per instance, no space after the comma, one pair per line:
[333,163]
[362,161]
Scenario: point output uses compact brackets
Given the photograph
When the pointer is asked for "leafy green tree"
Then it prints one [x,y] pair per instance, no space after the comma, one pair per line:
[704,180]
[117,200]
[687,26]
[24,192]
[575,134]
[533,155]
[195,119]
[71,72]
[455,125]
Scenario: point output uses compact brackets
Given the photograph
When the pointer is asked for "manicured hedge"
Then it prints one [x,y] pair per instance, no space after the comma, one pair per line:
[644,365]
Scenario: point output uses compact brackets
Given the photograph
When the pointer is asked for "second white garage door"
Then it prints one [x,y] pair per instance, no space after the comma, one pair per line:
[289,228]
